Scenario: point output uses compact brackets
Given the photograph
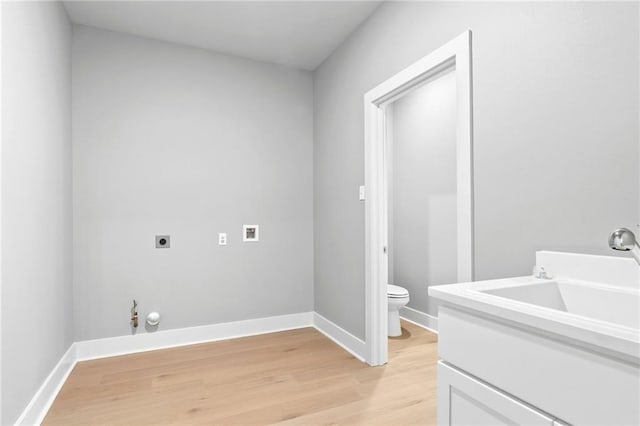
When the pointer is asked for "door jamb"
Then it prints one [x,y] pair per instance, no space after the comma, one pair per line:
[456,53]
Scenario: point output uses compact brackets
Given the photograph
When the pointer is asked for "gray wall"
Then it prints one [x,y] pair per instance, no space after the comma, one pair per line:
[555,128]
[175,140]
[36,250]
[422,196]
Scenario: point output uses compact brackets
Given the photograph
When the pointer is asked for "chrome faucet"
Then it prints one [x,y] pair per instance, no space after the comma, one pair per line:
[539,272]
[623,239]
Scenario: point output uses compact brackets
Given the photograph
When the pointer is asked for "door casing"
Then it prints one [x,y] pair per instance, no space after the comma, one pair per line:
[456,53]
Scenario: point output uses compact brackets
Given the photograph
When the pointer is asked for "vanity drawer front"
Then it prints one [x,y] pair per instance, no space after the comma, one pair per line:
[570,383]
[464,400]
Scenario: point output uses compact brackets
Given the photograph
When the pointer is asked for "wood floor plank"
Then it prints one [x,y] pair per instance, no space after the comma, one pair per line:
[296,377]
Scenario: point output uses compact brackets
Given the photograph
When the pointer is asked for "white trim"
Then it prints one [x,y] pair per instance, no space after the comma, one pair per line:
[341,337]
[86,350]
[34,412]
[376,267]
[420,319]
[1,149]
[122,345]
[455,53]
[39,405]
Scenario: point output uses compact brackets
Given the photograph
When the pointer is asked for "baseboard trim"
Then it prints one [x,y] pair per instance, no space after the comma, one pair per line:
[124,345]
[420,319]
[41,402]
[39,405]
[341,337]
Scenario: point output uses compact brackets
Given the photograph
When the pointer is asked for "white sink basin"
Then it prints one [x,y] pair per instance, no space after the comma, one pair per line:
[599,302]
[592,300]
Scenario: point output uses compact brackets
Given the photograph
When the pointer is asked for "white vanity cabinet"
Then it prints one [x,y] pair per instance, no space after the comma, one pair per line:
[494,373]
[464,400]
[542,351]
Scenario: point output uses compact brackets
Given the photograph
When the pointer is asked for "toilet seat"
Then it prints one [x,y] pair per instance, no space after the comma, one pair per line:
[395,291]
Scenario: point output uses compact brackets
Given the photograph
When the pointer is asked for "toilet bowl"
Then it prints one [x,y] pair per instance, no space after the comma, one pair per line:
[397,297]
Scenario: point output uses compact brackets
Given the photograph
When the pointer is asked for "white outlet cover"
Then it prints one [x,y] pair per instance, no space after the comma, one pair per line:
[361,193]
[222,239]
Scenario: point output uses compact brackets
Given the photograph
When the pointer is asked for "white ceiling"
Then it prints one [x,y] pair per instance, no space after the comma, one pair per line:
[296,33]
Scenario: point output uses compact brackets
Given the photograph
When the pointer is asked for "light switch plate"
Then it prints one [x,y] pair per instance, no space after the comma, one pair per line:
[361,193]
[222,239]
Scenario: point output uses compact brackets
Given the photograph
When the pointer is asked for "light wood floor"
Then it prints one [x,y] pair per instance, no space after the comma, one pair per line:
[294,377]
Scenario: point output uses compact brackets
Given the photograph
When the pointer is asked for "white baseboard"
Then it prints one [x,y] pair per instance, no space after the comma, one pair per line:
[123,345]
[343,338]
[420,318]
[39,405]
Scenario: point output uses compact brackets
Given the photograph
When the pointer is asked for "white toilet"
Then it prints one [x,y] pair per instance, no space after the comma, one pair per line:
[397,297]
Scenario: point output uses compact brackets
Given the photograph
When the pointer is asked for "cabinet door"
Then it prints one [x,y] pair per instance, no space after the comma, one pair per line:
[464,400]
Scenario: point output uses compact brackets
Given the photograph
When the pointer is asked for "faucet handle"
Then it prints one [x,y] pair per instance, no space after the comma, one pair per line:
[539,272]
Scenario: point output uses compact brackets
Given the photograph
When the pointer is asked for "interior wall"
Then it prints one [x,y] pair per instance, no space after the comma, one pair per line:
[37,305]
[422,198]
[169,139]
[555,133]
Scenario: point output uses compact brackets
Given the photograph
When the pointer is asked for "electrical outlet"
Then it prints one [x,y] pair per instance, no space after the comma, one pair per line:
[163,241]
[222,239]
[361,193]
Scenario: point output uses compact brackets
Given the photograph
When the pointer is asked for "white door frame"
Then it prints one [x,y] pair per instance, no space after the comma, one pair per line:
[456,53]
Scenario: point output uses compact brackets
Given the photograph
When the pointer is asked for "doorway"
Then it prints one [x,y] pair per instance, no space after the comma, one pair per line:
[452,61]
